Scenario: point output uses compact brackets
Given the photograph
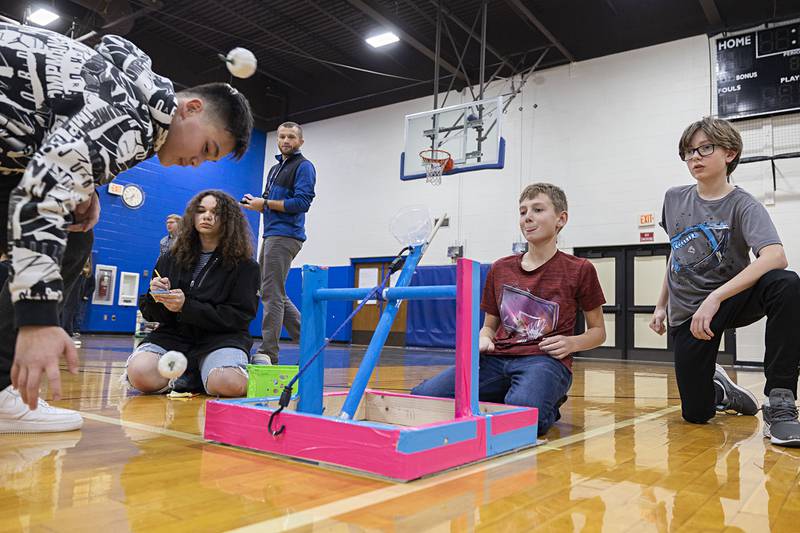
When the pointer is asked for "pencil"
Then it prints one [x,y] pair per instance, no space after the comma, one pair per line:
[156,272]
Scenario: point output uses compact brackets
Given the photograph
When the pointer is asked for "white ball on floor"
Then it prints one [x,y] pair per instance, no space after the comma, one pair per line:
[172,365]
[241,62]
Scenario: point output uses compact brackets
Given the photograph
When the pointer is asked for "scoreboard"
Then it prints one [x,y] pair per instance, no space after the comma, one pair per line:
[756,72]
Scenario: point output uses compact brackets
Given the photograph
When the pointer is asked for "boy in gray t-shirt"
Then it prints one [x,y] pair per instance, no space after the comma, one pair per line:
[711,286]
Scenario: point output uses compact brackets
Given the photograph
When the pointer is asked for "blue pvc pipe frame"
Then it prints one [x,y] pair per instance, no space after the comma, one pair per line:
[315,296]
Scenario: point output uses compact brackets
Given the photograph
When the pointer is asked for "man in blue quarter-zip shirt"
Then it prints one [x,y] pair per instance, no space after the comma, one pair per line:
[286,199]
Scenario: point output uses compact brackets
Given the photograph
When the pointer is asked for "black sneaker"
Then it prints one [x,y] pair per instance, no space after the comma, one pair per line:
[736,398]
[190,381]
[559,403]
[780,419]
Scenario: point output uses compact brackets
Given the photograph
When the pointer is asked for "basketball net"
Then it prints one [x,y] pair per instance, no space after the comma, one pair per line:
[435,163]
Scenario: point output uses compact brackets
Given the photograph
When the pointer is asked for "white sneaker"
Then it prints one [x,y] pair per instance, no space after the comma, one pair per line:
[16,417]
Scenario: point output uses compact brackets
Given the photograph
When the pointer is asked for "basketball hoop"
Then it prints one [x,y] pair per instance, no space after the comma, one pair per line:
[436,162]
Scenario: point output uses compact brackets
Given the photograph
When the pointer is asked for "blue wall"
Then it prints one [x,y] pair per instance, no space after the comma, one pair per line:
[128,238]
[432,323]
[338,277]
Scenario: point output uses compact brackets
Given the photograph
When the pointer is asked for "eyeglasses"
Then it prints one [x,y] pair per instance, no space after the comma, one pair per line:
[703,151]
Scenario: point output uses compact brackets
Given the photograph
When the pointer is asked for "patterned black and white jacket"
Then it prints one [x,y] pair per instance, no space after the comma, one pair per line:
[71,119]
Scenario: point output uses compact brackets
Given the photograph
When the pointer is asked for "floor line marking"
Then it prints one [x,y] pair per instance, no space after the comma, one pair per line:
[327,511]
[142,427]
[320,513]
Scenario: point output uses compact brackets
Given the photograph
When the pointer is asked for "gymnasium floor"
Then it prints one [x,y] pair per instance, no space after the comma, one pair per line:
[620,459]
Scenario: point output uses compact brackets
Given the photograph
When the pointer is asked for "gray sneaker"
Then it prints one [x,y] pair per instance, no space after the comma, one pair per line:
[736,398]
[780,419]
[260,359]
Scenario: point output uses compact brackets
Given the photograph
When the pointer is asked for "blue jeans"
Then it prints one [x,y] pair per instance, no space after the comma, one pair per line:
[531,381]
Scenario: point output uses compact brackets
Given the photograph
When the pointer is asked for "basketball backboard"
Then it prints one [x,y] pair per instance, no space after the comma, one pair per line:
[471,132]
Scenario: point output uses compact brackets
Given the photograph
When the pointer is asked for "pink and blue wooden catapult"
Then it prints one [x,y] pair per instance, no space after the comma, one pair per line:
[398,436]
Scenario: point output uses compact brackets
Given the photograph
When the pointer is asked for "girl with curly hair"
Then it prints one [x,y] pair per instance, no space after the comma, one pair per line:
[204,295]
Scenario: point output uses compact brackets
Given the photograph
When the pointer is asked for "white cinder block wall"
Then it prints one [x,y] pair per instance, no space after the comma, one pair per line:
[604,130]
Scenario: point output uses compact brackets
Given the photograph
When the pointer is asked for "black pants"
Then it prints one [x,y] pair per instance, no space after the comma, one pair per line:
[777,296]
[78,249]
[72,300]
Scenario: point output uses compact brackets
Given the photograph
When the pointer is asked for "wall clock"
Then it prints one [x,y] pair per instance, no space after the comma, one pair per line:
[133,196]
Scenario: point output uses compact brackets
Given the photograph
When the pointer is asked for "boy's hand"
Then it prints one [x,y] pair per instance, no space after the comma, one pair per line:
[657,322]
[558,346]
[36,354]
[252,203]
[86,215]
[485,344]
[701,321]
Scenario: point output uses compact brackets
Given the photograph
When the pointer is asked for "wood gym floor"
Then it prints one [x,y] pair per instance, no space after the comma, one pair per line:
[620,459]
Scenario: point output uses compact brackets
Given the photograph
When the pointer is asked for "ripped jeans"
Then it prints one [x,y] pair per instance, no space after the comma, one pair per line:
[221,358]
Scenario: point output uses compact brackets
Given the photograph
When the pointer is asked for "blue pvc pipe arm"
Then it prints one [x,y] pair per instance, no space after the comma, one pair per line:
[341,294]
[428,292]
[432,292]
[370,360]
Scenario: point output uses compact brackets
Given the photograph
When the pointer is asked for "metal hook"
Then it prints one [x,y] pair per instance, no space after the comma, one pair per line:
[286,397]
[277,432]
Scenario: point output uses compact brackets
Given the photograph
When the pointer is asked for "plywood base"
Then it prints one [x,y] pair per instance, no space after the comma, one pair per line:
[398,436]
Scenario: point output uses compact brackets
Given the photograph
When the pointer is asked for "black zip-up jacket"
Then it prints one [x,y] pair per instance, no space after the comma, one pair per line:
[220,304]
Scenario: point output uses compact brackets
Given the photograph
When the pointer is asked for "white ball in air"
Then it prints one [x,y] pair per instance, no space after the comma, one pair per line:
[172,365]
[241,62]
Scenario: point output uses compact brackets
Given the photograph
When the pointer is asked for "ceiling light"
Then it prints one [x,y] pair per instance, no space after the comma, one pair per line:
[43,17]
[383,39]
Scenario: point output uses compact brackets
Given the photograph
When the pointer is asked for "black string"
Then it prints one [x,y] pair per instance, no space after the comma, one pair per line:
[376,293]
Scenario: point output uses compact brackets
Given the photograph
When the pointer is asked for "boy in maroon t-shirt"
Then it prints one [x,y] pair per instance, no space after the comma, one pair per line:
[531,302]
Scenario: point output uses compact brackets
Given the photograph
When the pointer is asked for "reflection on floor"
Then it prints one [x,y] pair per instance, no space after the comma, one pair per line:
[620,459]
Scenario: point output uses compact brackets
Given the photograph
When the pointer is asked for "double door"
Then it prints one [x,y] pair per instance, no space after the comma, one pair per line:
[369,273]
[632,277]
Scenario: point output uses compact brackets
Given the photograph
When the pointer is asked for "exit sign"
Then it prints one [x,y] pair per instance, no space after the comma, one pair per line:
[647,219]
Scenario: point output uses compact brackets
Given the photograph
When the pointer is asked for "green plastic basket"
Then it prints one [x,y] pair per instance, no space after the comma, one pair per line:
[269,380]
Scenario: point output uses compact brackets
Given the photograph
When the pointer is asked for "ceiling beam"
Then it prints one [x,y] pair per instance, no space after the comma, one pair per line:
[711,12]
[205,44]
[328,45]
[354,33]
[128,19]
[292,19]
[405,36]
[461,24]
[530,17]
[286,64]
[278,39]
